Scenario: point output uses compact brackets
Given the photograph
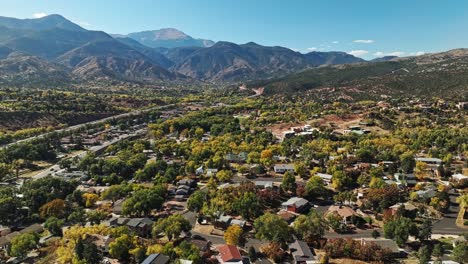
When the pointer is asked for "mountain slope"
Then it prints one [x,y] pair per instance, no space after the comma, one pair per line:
[22,70]
[168,38]
[151,53]
[442,74]
[316,58]
[109,59]
[38,24]
[227,61]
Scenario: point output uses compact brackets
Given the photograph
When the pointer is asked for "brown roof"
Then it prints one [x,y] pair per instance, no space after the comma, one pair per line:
[229,253]
[342,211]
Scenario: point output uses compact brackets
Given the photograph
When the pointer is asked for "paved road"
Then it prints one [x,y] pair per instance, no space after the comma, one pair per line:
[447,224]
[77,127]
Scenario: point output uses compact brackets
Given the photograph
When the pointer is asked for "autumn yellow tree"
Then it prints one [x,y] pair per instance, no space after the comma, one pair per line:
[233,235]
[90,199]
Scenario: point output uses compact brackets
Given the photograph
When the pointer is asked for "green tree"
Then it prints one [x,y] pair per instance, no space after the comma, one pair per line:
[120,248]
[171,226]
[460,252]
[315,187]
[310,227]
[247,205]
[425,230]
[273,228]
[224,175]
[142,202]
[22,244]
[289,182]
[54,225]
[424,254]
[438,251]
[407,162]
[196,200]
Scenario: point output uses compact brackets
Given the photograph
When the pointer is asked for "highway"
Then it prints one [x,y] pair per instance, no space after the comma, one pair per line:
[77,127]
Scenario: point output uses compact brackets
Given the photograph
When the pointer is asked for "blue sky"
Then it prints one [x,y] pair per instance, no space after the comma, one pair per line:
[366,28]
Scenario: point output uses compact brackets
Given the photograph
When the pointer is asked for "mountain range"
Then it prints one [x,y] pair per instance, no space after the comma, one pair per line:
[55,44]
[53,51]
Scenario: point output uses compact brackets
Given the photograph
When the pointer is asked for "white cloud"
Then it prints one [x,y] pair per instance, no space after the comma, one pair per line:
[312,49]
[364,41]
[358,53]
[39,15]
[335,42]
[395,53]
[296,50]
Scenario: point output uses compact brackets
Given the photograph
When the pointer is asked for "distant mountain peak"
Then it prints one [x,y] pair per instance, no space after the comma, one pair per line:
[167,38]
[170,33]
[43,23]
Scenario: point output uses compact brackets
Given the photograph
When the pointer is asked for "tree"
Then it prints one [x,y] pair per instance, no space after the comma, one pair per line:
[171,226]
[189,251]
[375,234]
[310,227]
[55,208]
[460,252]
[300,169]
[407,162]
[224,175]
[5,170]
[233,235]
[399,230]
[39,192]
[425,230]
[247,205]
[54,225]
[90,199]
[315,187]
[10,206]
[266,157]
[424,254]
[252,253]
[87,251]
[120,247]
[340,180]
[289,182]
[22,244]
[271,227]
[196,200]
[438,251]
[142,202]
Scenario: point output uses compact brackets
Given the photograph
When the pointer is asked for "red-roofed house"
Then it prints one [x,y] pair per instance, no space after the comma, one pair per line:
[229,254]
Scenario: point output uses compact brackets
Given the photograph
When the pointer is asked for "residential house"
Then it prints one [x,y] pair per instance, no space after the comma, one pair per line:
[264,184]
[345,212]
[156,259]
[211,172]
[199,171]
[229,254]
[327,178]
[222,222]
[283,168]
[405,179]
[101,242]
[237,158]
[296,205]
[430,161]
[408,207]
[459,177]
[301,253]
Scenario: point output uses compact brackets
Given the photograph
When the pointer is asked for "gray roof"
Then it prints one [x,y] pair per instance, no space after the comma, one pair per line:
[297,201]
[156,259]
[383,243]
[301,251]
